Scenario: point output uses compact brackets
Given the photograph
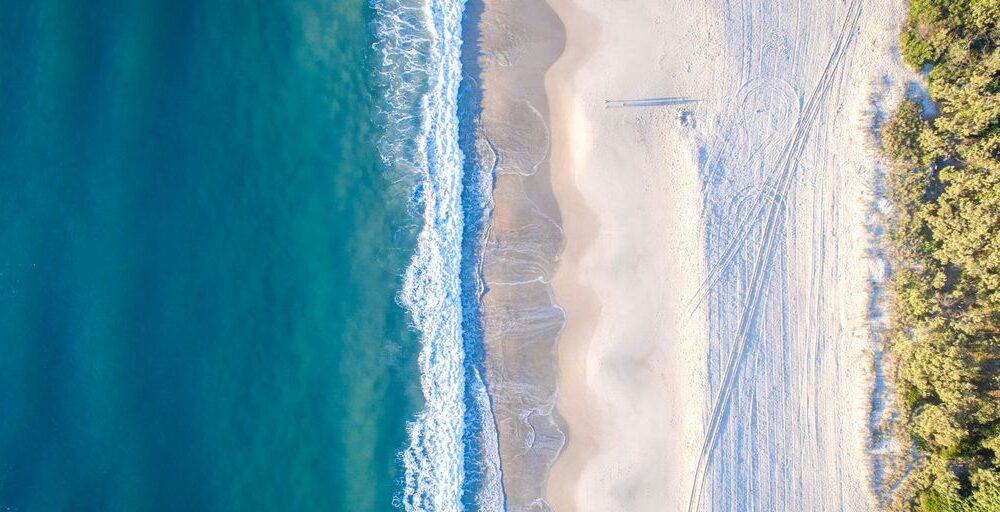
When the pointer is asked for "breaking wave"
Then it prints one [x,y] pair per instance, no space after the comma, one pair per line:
[420,44]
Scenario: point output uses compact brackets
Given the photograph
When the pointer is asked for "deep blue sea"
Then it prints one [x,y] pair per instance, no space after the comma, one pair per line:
[212,295]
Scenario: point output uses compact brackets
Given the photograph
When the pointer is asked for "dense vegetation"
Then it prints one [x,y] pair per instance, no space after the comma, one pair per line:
[944,183]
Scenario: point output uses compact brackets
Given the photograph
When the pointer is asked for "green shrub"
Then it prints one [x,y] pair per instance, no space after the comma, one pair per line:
[944,183]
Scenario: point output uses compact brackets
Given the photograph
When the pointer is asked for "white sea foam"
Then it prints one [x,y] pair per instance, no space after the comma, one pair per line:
[490,497]
[420,42]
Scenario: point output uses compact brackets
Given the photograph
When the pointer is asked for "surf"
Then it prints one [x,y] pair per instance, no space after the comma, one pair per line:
[420,44]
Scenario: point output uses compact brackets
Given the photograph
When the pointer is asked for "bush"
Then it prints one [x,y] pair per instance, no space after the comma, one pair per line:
[944,183]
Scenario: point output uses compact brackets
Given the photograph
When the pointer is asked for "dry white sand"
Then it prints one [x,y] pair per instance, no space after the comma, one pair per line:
[714,278]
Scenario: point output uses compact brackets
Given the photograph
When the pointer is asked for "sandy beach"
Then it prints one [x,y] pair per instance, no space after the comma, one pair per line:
[632,366]
[712,171]
[518,41]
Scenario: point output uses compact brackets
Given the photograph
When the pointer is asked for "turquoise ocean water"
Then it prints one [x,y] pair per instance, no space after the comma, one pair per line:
[201,254]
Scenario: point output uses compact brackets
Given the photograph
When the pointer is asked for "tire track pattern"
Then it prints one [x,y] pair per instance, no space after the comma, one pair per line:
[787,163]
[785,93]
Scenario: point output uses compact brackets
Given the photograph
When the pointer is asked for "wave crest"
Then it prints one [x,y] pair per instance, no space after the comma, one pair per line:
[420,45]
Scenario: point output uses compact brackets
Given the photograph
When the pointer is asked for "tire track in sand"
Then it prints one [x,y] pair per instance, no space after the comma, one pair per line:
[786,92]
[788,161]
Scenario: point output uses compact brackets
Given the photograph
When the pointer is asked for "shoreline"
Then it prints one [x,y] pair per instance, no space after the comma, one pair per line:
[518,40]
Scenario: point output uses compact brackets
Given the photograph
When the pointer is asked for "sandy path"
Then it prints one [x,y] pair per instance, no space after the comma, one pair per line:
[714,278]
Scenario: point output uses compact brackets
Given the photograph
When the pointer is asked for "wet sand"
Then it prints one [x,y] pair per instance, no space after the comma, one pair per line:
[519,40]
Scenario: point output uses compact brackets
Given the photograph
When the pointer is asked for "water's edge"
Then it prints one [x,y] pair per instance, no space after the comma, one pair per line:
[467,119]
[518,41]
[431,108]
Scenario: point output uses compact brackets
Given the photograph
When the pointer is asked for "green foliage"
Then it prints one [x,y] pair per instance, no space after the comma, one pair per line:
[944,183]
[932,501]
[987,494]
[985,498]
[992,443]
[937,428]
